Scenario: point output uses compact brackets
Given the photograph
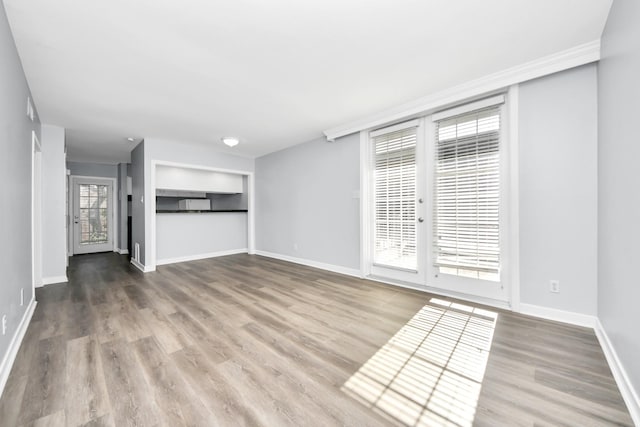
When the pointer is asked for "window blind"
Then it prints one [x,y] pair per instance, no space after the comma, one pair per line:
[467,195]
[394,166]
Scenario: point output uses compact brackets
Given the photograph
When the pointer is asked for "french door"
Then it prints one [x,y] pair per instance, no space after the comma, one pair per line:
[398,208]
[92,215]
[436,201]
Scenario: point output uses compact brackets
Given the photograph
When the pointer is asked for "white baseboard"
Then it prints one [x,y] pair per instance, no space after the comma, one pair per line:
[53,279]
[569,317]
[200,256]
[329,267]
[629,394]
[141,266]
[435,291]
[14,345]
[121,251]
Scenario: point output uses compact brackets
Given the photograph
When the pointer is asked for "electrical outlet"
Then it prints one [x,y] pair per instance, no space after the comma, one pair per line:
[554,286]
[295,246]
[4,324]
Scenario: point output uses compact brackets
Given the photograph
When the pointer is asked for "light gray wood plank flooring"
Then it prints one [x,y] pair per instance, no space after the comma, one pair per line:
[247,340]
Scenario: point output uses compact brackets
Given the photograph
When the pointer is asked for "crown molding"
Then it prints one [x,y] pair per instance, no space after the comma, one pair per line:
[564,60]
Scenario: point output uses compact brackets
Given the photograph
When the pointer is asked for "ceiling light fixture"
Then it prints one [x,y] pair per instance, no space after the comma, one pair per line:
[130,139]
[230,141]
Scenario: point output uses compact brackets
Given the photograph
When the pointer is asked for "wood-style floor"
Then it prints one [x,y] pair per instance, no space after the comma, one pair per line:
[247,340]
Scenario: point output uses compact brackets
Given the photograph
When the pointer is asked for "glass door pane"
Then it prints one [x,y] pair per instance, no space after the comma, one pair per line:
[94,207]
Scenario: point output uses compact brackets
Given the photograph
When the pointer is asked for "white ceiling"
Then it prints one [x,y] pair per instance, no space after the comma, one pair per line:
[273,73]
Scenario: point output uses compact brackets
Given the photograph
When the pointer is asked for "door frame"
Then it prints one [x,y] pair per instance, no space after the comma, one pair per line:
[36,211]
[114,208]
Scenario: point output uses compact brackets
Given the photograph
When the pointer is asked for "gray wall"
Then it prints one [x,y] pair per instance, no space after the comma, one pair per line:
[305,200]
[558,190]
[93,169]
[137,206]
[618,181]
[15,181]
[54,205]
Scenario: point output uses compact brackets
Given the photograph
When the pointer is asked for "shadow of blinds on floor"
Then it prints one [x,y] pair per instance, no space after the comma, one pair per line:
[430,372]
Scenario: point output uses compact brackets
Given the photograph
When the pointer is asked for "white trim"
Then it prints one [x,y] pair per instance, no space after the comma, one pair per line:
[394,128]
[53,279]
[141,266]
[201,256]
[121,251]
[321,265]
[14,345]
[442,292]
[251,214]
[629,394]
[36,214]
[513,140]
[150,207]
[570,317]
[576,56]
[365,204]
[468,107]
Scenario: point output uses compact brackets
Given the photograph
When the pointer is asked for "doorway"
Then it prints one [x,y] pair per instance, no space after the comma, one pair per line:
[92,207]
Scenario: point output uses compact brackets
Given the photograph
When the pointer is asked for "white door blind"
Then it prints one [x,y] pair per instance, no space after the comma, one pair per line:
[395,199]
[467,195]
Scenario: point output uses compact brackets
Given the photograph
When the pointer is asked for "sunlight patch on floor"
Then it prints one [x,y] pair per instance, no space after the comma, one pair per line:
[430,372]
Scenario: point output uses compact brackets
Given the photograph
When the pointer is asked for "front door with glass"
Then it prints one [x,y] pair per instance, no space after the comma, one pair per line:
[92,215]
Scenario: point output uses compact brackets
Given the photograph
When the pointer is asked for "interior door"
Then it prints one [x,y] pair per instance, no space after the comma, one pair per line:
[92,215]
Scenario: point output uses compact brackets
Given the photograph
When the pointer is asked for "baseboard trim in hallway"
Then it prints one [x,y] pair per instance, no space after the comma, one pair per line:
[140,266]
[14,346]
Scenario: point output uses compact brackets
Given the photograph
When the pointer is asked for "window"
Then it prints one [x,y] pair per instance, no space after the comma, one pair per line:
[466,220]
[394,198]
